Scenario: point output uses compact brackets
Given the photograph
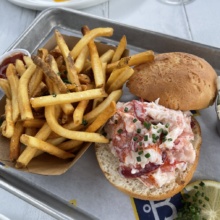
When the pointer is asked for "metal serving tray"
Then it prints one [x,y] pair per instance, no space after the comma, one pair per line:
[70,22]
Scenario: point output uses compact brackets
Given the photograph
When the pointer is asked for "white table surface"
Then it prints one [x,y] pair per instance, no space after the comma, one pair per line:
[197,21]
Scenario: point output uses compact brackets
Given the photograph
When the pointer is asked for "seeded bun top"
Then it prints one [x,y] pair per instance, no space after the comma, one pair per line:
[181,81]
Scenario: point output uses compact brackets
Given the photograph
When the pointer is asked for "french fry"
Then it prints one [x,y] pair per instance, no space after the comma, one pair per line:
[95,61]
[4,85]
[13,82]
[20,67]
[76,135]
[96,32]
[44,146]
[14,151]
[81,59]
[90,117]
[133,60]
[120,80]
[8,125]
[28,61]
[97,124]
[71,70]
[113,76]
[36,81]
[79,111]
[120,49]
[29,152]
[67,98]
[36,123]
[23,97]
[107,56]
[50,73]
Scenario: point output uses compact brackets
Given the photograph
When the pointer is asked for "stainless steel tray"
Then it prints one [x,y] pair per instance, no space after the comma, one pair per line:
[70,22]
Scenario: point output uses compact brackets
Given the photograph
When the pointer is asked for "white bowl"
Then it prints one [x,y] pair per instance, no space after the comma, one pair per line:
[13,52]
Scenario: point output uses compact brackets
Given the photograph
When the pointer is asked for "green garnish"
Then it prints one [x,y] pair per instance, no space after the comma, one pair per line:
[54,95]
[135,120]
[147,125]
[192,204]
[120,131]
[167,125]
[140,152]
[145,137]
[135,138]
[138,130]
[84,122]
[126,109]
[147,155]
[138,158]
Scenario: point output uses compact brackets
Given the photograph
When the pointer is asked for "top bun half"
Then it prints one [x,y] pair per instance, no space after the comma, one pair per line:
[181,81]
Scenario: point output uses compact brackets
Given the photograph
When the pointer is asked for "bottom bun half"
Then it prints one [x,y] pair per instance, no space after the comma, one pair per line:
[109,165]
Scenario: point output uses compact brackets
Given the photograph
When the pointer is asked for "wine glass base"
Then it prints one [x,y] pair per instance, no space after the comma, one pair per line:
[176,2]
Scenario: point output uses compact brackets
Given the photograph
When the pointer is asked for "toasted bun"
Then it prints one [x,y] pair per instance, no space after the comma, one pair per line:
[135,188]
[181,81]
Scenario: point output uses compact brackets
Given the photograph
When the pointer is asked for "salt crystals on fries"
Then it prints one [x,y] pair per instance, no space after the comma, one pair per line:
[58,100]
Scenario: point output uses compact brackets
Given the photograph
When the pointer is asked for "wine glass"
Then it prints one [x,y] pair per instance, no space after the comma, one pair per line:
[176,2]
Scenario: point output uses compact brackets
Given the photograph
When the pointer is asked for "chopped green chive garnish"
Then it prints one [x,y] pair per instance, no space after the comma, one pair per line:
[147,125]
[140,143]
[119,131]
[126,109]
[54,95]
[138,158]
[135,138]
[135,120]
[138,130]
[167,125]
[140,152]
[84,122]
[147,155]
[169,139]
[159,130]
[145,138]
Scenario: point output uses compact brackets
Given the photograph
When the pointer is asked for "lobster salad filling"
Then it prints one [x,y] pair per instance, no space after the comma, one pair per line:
[151,142]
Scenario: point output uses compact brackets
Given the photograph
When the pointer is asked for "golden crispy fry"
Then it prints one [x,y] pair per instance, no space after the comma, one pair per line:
[90,117]
[44,146]
[23,97]
[30,152]
[107,56]
[120,80]
[71,70]
[67,108]
[96,32]
[42,53]
[133,60]
[36,123]
[67,98]
[36,81]
[76,135]
[28,61]
[81,59]
[113,76]
[50,73]
[20,67]
[15,141]
[79,111]
[83,78]
[4,85]
[8,125]
[102,118]
[120,49]
[13,82]
[95,61]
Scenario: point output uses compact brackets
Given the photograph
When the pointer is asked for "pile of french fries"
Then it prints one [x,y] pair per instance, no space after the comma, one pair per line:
[58,100]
